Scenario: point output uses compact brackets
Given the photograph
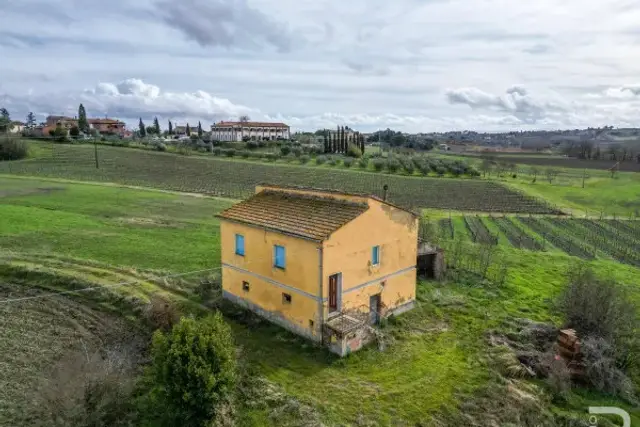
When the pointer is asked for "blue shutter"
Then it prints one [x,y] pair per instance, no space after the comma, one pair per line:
[375,255]
[279,257]
[239,244]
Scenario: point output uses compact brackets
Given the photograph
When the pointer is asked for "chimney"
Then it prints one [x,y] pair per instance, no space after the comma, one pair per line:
[385,188]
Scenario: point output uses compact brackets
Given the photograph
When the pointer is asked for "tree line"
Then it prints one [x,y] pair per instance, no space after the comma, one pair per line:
[343,141]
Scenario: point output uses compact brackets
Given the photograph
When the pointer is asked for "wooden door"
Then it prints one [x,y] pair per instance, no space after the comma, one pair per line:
[333,293]
[374,309]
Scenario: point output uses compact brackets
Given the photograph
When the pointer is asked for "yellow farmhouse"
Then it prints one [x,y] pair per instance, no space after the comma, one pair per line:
[323,264]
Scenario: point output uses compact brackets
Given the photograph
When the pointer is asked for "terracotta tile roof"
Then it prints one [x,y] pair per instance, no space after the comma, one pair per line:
[104,121]
[300,215]
[252,124]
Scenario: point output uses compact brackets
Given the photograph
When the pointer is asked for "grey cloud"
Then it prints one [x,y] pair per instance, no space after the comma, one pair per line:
[516,101]
[538,49]
[226,23]
[494,35]
[364,67]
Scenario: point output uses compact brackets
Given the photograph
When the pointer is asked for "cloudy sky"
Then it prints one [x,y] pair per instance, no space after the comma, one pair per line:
[412,65]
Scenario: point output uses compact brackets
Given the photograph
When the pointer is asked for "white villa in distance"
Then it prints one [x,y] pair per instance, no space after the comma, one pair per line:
[255,131]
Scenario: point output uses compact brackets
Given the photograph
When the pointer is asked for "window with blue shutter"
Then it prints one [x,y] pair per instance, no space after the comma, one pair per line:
[239,244]
[375,255]
[279,257]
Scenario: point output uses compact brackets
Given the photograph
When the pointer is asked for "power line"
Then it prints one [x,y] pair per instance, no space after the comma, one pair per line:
[93,288]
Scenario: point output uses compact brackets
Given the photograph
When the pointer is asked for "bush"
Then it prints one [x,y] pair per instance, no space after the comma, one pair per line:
[363,162]
[440,170]
[332,161]
[314,151]
[216,151]
[230,152]
[321,160]
[348,162]
[252,145]
[601,369]
[595,307]
[393,165]
[272,157]
[13,149]
[257,155]
[193,372]
[304,159]
[378,164]
[245,154]
[354,151]
[297,151]
[160,147]
[285,150]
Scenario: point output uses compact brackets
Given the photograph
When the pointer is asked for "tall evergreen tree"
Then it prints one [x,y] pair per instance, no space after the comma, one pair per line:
[83,123]
[343,141]
[156,126]
[5,120]
[200,130]
[31,120]
[362,144]
[326,142]
[188,130]
[170,128]
[332,142]
[141,129]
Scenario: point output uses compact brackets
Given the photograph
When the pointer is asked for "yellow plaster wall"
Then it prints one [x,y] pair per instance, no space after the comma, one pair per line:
[348,251]
[301,272]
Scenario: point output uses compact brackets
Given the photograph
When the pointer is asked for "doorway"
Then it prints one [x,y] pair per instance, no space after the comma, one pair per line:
[374,309]
[335,283]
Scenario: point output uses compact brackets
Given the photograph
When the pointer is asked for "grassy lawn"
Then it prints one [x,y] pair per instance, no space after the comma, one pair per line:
[602,194]
[125,227]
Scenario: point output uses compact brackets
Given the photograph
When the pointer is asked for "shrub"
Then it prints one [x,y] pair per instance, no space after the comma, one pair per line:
[314,151]
[304,159]
[161,314]
[378,164]
[257,155]
[393,165]
[354,151]
[297,151]
[440,170]
[245,154]
[363,162]
[216,151]
[285,150]
[193,372]
[13,149]
[230,152]
[594,307]
[272,157]
[348,162]
[332,161]
[601,369]
[252,145]
[184,149]
[161,147]
[321,159]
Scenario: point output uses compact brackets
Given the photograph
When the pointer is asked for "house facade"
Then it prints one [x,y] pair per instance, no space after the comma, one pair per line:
[323,264]
[16,127]
[107,126]
[255,131]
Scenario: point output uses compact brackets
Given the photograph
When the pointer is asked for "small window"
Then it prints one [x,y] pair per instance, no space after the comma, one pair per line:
[375,255]
[286,298]
[279,257]
[239,244]
[245,286]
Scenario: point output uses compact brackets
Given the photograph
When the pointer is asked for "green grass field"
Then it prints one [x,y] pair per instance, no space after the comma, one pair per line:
[437,354]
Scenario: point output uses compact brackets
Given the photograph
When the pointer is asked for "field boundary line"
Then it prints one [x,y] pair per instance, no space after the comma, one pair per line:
[114,185]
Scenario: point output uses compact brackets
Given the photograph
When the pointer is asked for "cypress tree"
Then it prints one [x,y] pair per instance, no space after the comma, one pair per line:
[188,130]
[83,123]
[141,129]
[200,130]
[156,126]
[362,144]
[343,142]
[326,142]
[170,128]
